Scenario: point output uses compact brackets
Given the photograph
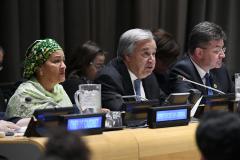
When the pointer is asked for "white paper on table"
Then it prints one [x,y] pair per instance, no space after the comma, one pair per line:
[195,107]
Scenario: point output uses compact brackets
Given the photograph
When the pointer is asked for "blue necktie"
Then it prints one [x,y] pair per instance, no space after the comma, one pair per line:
[208,83]
[137,83]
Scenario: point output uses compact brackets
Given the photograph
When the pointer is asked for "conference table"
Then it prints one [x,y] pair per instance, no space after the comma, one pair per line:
[172,143]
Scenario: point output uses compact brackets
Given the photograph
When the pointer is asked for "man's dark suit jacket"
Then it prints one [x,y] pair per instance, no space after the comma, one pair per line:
[220,78]
[116,82]
[163,81]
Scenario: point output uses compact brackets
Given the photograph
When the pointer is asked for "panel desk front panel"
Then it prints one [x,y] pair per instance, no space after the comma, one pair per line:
[171,143]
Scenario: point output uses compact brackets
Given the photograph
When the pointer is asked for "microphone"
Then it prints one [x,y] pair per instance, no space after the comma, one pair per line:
[28,99]
[199,84]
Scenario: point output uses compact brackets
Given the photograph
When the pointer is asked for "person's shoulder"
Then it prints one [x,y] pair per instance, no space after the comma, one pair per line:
[113,72]
[73,75]
[184,61]
[112,68]
[221,74]
[27,85]
[152,77]
[185,68]
[183,65]
[221,69]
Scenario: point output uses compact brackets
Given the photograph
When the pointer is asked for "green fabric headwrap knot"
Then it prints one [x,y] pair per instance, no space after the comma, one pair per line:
[37,54]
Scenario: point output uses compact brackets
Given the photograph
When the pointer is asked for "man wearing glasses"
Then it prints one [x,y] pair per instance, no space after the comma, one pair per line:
[204,62]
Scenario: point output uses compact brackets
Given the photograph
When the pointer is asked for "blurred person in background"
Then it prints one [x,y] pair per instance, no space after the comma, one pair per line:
[7,89]
[166,55]
[87,60]
[218,135]
[1,58]
[2,97]
[64,145]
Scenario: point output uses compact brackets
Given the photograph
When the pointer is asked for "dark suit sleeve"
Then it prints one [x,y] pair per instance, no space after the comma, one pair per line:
[152,89]
[111,92]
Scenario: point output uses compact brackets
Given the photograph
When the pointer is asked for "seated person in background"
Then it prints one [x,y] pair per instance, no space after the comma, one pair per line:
[6,126]
[7,89]
[86,61]
[203,64]
[44,68]
[131,72]
[218,136]
[167,52]
[63,145]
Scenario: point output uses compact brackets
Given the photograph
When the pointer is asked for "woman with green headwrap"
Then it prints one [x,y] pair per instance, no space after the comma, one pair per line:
[44,68]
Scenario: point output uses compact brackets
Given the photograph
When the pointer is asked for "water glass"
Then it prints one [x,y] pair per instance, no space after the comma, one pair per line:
[88,98]
[113,119]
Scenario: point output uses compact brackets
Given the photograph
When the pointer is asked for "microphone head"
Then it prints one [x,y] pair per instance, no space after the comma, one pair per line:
[180,77]
[181,73]
[28,99]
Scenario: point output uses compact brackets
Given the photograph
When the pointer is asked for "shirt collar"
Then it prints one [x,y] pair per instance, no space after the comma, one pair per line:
[199,69]
[133,78]
[132,75]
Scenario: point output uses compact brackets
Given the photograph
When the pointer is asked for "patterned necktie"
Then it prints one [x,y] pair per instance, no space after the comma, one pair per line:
[137,83]
[208,83]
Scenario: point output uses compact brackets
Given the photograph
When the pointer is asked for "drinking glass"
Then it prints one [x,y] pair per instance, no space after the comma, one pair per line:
[113,119]
[88,98]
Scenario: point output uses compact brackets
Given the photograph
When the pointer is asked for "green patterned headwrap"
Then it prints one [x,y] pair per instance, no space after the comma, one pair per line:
[37,54]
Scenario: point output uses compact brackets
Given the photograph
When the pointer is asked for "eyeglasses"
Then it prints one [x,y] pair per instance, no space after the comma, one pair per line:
[217,50]
[97,66]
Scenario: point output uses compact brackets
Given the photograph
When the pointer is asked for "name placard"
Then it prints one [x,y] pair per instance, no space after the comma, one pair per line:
[167,116]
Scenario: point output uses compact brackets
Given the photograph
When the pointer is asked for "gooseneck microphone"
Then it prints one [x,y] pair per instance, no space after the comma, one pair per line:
[199,84]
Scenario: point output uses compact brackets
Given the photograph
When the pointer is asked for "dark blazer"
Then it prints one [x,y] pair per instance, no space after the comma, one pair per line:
[116,82]
[163,81]
[220,78]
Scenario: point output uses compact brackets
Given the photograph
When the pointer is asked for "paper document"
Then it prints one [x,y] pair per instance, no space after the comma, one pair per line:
[20,130]
[195,107]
